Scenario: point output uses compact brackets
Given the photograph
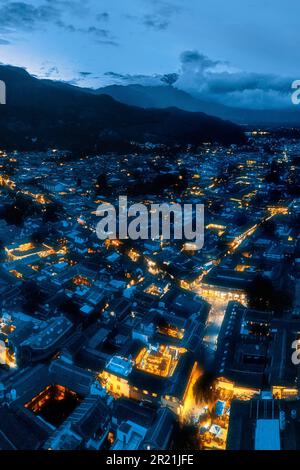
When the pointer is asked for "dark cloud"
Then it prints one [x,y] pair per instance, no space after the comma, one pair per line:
[218,81]
[20,15]
[170,78]
[49,71]
[140,79]
[164,8]
[155,22]
[109,42]
[98,32]
[159,16]
[196,60]
[76,7]
[25,16]
[53,72]
[116,76]
[104,16]
[128,79]
[99,35]
[85,74]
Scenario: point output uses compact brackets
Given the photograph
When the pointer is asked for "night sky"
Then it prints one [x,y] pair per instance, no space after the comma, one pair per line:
[236,51]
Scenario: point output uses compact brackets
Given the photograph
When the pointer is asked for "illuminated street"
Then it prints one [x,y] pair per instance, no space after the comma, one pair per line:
[214,323]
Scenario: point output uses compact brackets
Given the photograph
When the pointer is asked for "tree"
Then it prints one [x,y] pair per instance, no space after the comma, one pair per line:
[40,235]
[52,212]
[203,388]
[2,252]
[269,228]
[33,297]
[101,186]
[241,219]
[16,213]
[263,295]
[273,175]
[185,437]
[260,293]
[161,321]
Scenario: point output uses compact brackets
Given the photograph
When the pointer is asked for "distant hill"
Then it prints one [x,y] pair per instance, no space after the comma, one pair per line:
[166,96]
[44,113]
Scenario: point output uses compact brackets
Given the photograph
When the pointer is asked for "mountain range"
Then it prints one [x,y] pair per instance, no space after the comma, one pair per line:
[44,113]
[167,96]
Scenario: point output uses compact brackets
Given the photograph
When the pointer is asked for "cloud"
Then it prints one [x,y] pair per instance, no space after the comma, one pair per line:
[100,35]
[134,79]
[140,79]
[47,70]
[75,7]
[218,81]
[4,42]
[165,8]
[92,30]
[85,74]
[20,15]
[169,78]
[197,61]
[158,16]
[104,16]
[23,16]
[155,22]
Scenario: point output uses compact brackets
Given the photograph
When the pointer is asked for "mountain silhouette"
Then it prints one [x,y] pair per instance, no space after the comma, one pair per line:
[45,113]
[166,96]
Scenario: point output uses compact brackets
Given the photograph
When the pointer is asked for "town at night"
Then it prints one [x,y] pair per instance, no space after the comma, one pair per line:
[170,323]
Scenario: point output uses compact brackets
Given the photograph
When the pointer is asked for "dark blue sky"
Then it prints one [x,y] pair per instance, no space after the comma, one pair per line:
[210,43]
